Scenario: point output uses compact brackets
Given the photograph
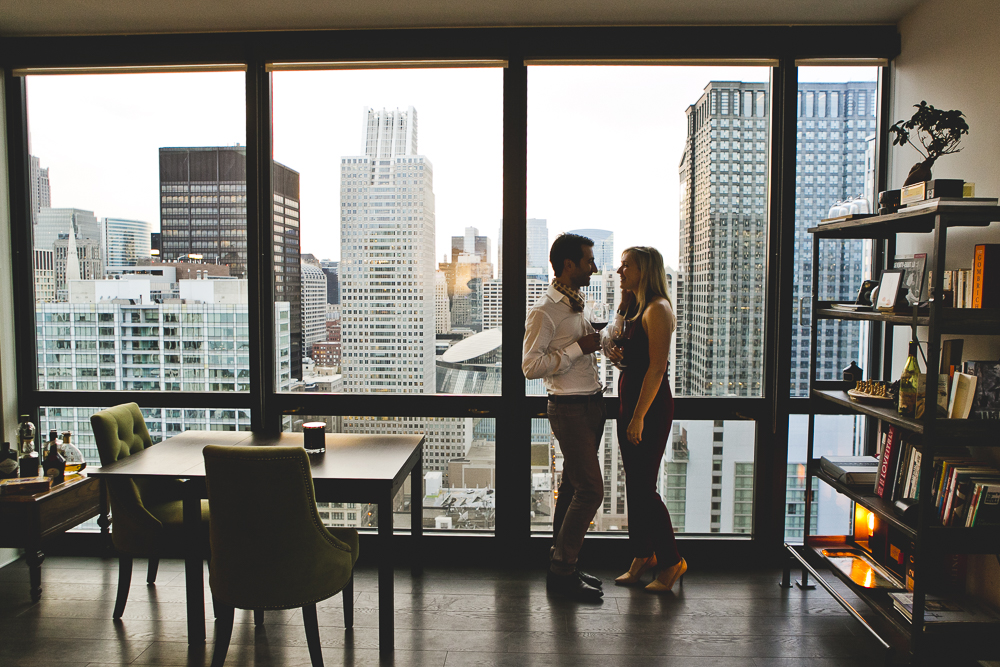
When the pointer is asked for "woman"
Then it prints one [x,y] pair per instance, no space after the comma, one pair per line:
[645,414]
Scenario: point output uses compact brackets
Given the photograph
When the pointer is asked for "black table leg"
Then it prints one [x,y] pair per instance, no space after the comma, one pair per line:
[385,597]
[417,517]
[34,557]
[194,578]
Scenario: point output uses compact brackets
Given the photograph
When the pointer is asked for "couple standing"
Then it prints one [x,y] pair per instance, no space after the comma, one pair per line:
[559,347]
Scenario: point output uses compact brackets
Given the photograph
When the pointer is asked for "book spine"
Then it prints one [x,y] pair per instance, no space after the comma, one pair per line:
[902,461]
[885,465]
[977,276]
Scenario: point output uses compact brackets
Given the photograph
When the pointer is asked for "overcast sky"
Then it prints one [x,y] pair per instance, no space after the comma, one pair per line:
[604,143]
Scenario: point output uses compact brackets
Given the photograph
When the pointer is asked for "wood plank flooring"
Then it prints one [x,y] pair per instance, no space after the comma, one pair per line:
[445,618]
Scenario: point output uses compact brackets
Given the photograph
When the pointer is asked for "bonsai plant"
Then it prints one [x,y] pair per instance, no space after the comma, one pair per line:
[938,133]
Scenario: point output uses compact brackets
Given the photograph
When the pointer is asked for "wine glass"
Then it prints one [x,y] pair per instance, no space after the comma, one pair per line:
[617,332]
[598,315]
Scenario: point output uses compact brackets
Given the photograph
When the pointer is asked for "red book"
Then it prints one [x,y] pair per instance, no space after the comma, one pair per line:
[887,464]
[986,276]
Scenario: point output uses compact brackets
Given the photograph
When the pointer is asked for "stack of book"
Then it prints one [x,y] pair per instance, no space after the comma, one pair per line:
[851,470]
[966,492]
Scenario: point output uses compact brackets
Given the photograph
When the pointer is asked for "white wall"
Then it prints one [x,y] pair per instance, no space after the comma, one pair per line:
[950,51]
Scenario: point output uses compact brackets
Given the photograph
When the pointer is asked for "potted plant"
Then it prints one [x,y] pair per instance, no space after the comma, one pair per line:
[938,133]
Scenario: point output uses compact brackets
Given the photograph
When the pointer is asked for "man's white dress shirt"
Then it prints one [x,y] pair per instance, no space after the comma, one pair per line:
[550,349]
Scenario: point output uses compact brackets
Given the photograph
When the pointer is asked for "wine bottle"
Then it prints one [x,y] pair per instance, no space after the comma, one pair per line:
[908,383]
[74,457]
[8,462]
[54,464]
[29,458]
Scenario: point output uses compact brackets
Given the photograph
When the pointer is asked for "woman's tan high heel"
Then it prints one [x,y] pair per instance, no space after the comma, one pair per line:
[639,567]
[668,577]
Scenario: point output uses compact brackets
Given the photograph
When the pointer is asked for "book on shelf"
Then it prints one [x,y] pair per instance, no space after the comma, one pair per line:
[963,391]
[960,491]
[951,201]
[903,460]
[951,358]
[984,509]
[912,487]
[887,464]
[939,609]
[850,470]
[986,276]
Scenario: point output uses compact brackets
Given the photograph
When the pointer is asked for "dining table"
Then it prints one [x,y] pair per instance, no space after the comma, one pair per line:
[355,468]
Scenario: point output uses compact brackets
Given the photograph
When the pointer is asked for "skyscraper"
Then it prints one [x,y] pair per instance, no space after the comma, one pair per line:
[331,269]
[203,211]
[41,195]
[538,248]
[723,220]
[313,304]
[387,259]
[720,284]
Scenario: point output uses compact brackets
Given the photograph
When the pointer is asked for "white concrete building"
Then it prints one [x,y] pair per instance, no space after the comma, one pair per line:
[387,260]
[313,306]
[442,305]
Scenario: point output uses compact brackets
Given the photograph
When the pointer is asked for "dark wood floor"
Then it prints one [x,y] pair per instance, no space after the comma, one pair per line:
[445,617]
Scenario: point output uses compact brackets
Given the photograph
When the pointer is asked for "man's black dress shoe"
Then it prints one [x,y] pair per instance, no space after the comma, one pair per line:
[572,586]
[589,579]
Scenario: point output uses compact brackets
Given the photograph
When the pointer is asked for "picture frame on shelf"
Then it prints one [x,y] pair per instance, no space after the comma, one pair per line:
[889,285]
[914,268]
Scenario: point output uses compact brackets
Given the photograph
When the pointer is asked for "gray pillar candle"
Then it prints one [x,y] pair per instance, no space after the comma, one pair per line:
[314,437]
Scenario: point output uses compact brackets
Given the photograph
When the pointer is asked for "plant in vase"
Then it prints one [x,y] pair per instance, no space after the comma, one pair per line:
[938,133]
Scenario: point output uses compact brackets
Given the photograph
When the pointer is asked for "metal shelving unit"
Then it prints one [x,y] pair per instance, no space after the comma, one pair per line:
[930,433]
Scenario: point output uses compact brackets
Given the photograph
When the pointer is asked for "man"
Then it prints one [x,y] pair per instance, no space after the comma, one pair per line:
[559,346]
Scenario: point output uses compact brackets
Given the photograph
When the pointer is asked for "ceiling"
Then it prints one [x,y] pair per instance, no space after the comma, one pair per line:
[85,17]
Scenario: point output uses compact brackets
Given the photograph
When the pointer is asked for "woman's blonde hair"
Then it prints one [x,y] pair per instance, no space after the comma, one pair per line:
[652,275]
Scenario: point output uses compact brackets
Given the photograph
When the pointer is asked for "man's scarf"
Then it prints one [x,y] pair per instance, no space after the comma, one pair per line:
[575,298]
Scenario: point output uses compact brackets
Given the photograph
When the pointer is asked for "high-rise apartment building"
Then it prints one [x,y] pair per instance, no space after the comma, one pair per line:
[203,212]
[126,243]
[111,335]
[41,194]
[45,276]
[721,279]
[313,305]
[387,260]
[723,220]
[835,130]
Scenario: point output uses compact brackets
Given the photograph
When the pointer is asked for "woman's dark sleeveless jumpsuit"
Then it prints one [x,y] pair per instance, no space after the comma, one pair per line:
[649,527]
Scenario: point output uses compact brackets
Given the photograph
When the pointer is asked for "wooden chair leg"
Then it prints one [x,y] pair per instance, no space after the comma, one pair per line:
[154,565]
[348,594]
[223,633]
[312,635]
[258,617]
[124,582]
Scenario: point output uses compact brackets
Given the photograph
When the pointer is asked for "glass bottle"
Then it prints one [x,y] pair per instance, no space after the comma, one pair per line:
[8,462]
[74,457]
[54,464]
[29,458]
[908,383]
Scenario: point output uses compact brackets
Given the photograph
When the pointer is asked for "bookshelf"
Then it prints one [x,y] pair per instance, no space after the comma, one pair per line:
[927,541]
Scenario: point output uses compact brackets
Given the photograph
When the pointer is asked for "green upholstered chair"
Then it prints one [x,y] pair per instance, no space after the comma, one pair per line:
[146,514]
[270,550]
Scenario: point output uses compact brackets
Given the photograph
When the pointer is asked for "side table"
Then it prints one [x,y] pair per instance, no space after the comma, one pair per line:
[25,521]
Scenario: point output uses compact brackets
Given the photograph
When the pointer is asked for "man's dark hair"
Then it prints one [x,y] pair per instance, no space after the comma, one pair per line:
[567,246]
